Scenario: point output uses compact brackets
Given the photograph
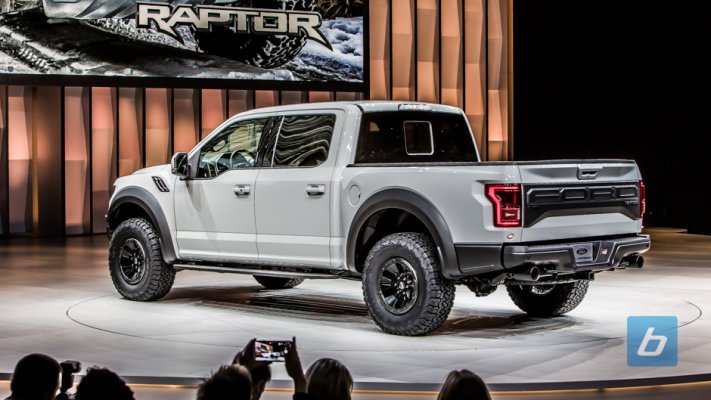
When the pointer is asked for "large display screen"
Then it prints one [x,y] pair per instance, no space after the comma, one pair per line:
[318,41]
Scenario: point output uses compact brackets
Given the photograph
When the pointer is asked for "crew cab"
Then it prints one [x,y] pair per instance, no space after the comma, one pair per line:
[393,194]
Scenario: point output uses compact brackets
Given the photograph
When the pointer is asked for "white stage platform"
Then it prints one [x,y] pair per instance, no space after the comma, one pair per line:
[57,298]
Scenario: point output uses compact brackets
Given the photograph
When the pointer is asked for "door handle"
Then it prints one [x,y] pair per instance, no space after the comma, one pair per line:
[242,190]
[315,190]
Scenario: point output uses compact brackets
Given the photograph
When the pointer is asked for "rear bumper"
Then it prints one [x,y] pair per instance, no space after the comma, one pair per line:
[598,254]
[607,253]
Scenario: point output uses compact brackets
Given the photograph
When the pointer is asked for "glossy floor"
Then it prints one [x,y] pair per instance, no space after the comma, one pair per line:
[57,298]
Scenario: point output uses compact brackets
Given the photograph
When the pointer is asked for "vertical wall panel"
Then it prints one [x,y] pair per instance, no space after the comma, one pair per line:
[77,199]
[428,50]
[498,101]
[103,153]
[20,155]
[49,164]
[4,189]
[239,100]
[315,97]
[451,16]
[158,119]
[292,97]
[475,69]
[379,49]
[130,132]
[214,109]
[442,51]
[265,98]
[403,49]
[186,119]
[349,96]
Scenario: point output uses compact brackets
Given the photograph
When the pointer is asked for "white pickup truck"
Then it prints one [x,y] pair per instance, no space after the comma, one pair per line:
[392,194]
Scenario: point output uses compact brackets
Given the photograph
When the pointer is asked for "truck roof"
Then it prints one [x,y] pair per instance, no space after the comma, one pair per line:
[365,106]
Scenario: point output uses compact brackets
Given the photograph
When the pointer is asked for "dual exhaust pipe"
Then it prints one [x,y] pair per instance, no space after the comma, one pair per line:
[533,273]
[632,262]
[530,274]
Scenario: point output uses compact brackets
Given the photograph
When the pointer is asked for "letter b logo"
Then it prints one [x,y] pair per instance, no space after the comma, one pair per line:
[652,341]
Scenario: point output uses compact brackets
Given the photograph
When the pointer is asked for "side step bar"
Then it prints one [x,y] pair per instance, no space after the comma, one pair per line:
[256,271]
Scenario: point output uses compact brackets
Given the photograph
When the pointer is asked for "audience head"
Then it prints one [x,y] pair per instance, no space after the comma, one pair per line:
[464,385]
[231,382]
[36,377]
[328,379]
[261,375]
[102,384]
[259,371]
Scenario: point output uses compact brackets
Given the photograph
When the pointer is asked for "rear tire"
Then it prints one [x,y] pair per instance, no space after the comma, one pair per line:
[136,263]
[548,300]
[403,285]
[271,282]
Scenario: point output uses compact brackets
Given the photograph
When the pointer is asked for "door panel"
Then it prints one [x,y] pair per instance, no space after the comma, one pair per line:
[214,211]
[214,223]
[293,197]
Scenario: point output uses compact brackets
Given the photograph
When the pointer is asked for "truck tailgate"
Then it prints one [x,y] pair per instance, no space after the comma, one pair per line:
[569,199]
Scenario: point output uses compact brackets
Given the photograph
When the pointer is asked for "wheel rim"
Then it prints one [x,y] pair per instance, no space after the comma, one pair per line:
[398,285]
[132,261]
[541,290]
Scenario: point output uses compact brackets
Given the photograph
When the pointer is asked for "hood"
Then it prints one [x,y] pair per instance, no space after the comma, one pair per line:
[158,169]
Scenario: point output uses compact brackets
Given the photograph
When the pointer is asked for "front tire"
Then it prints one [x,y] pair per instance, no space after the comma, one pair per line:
[403,286]
[271,282]
[548,300]
[136,263]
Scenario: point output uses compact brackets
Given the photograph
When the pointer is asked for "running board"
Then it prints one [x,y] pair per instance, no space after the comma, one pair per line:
[255,271]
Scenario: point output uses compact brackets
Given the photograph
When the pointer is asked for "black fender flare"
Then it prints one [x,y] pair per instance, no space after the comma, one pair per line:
[414,203]
[148,203]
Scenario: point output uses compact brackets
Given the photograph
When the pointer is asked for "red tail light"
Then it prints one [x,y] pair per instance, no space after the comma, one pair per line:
[642,199]
[507,204]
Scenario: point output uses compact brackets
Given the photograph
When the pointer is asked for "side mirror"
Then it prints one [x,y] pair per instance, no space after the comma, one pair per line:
[179,165]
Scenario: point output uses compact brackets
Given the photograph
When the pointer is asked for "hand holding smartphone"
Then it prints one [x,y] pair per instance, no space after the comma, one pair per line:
[271,350]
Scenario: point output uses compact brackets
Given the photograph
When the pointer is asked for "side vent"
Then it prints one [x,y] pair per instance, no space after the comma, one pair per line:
[160,184]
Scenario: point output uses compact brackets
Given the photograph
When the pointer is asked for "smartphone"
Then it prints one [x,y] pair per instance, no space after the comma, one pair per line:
[271,350]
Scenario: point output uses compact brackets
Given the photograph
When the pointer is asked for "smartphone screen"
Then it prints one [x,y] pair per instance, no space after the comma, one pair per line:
[271,350]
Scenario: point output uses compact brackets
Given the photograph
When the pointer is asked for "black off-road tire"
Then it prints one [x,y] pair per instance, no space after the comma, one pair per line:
[561,299]
[265,51]
[273,282]
[434,294]
[157,277]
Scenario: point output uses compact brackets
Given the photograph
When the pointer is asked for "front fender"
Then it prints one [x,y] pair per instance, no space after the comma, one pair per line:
[147,202]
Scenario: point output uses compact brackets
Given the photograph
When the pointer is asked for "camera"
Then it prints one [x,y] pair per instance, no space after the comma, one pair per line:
[271,350]
[69,368]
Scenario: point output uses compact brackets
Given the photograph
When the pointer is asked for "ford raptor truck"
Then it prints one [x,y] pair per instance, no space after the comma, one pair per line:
[392,194]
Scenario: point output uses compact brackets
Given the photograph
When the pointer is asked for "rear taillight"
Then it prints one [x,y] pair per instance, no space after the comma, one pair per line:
[642,199]
[507,204]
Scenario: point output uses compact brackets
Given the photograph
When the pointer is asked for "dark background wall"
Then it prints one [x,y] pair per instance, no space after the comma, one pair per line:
[620,78]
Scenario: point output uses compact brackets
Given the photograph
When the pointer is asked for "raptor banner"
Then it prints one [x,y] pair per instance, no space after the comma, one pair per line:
[264,40]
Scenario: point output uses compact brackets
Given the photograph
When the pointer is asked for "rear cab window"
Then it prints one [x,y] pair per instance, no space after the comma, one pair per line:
[414,137]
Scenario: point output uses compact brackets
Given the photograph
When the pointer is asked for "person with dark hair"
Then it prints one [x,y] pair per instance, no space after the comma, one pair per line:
[326,378]
[102,384]
[260,371]
[230,382]
[464,385]
[36,377]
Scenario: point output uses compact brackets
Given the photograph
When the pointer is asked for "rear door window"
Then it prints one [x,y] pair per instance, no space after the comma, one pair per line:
[304,140]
